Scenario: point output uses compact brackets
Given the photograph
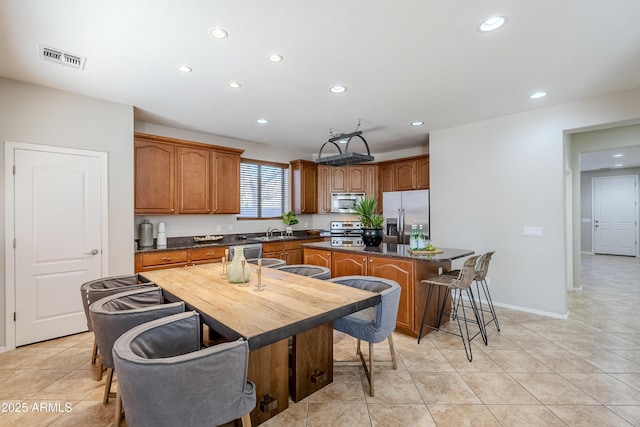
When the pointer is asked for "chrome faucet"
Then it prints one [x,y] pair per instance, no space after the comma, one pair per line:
[270,231]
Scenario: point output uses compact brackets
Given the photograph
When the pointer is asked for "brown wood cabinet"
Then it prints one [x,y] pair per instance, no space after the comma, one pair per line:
[289,250]
[304,187]
[194,171]
[155,182]
[324,189]
[411,173]
[148,261]
[184,177]
[407,272]
[317,257]
[345,179]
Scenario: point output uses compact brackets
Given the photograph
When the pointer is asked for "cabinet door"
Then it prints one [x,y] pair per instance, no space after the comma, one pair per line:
[386,177]
[164,259]
[402,272]
[357,179]
[226,183]
[339,179]
[324,189]
[371,184]
[404,175]
[422,173]
[343,264]
[194,193]
[292,256]
[155,166]
[317,257]
[304,187]
[206,255]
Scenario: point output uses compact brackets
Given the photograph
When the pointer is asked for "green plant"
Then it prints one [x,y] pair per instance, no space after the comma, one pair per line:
[289,218]
[366,210]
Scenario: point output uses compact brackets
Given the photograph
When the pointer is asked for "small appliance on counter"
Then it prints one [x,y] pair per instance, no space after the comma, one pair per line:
[145,234]
[161,241]
[346,233]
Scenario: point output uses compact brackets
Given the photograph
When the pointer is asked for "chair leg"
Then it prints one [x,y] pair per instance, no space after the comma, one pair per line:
[368,370]
[107,386]
[118,415]
[487,294]
[246,420]
[392,348]
[99,368]
[94,352]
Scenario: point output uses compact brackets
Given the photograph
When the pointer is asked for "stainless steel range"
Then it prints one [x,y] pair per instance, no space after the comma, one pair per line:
[346,233]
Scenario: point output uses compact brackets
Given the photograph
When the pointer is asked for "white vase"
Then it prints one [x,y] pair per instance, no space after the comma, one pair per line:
[236,273]
[288,230]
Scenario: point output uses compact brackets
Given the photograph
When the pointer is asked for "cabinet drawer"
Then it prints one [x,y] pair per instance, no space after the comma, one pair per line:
[272,247]
[292,245]
[207,253]
[165,257]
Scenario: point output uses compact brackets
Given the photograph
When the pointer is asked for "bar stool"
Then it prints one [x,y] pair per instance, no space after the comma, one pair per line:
[315,271]
[481,269]
[454,288]
[94,290]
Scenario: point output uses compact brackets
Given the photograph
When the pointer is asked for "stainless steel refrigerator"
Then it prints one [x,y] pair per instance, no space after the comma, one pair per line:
[401,209]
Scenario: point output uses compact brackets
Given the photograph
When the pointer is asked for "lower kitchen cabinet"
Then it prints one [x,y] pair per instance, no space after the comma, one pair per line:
[147,261]
[402,271]
[318,257]
[290,250]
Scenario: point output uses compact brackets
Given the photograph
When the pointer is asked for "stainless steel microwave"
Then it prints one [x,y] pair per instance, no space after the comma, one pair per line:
[343,202]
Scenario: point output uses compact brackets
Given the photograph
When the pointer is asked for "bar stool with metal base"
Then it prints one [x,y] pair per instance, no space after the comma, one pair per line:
[454,288]
[482,267]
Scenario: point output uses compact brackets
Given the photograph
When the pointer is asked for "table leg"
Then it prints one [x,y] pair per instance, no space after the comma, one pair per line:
[311,361]
[269,371]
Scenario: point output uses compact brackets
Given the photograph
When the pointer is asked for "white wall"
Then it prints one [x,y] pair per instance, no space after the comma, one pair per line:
[492,178]
[39,115]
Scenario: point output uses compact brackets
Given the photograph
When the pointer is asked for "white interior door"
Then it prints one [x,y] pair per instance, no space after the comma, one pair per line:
[615,215]
[58,223]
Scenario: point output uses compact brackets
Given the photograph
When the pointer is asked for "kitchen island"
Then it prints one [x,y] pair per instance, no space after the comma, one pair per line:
[394,262]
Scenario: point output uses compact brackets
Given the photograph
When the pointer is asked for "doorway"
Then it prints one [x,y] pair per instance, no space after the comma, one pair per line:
[614,215]
[56,233]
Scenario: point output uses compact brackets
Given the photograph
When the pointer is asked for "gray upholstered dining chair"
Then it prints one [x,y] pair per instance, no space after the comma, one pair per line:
[113,315]
[268,262]
[166,378]
[94,290]
[315,271]
[373,324]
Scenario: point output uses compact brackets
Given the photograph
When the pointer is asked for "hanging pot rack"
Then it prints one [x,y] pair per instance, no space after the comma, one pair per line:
[346,157]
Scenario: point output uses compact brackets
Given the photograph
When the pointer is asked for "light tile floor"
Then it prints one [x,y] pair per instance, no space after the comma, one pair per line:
[538,371]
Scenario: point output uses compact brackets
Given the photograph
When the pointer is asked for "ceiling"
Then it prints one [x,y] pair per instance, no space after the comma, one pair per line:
[627,157]
[401,61]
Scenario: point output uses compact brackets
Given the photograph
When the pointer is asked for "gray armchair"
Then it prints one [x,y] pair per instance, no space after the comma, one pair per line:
[166,378]
[373,324]
[315,271]
[94,290]
[113,315]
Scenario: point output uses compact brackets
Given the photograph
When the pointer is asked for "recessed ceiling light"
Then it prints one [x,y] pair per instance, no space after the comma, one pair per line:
[618,155]
[218,33]
[618,165]
[184,68]
[417,123]
[234,85]
[274,57]
[492,23]
[337,89]
[537,95]
[262,121]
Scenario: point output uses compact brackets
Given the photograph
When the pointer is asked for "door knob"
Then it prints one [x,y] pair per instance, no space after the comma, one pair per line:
[93,252]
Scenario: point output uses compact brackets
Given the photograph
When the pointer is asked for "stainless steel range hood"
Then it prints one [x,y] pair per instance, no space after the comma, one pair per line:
[346,157]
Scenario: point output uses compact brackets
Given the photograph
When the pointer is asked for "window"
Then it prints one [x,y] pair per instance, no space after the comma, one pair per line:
[263,189]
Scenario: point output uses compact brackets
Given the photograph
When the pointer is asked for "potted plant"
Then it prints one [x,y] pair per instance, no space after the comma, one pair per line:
[289,219]
[371,221]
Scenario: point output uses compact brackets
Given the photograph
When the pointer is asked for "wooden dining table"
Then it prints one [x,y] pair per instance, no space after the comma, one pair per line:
[288,323]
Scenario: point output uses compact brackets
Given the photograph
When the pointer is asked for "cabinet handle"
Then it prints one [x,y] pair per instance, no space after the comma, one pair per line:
[166,258]
[268,403]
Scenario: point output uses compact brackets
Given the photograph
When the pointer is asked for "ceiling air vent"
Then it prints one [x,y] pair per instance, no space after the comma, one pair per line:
[61,57]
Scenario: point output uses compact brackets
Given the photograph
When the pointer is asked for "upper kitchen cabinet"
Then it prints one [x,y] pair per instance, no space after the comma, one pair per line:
[182,177]
[324,189]
[226,182]
[155,180]
[411,173]
[304,187]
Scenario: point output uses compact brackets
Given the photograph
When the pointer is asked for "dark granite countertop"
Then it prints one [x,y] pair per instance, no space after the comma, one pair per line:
[179,243]
[393,250]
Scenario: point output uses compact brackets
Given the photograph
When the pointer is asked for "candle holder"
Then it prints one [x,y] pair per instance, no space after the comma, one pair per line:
[245,277]
[259,285]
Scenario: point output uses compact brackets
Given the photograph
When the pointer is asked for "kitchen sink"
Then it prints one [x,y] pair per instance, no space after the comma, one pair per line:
[271,238]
